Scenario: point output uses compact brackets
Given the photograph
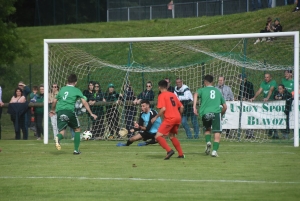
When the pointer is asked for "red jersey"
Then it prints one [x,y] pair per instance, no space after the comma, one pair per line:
[172,104]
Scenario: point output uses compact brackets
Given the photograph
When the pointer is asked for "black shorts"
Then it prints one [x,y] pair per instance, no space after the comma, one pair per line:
[147,136]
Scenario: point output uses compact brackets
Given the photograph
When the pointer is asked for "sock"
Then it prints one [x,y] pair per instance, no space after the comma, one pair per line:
[76,141]
[207,137]
[128,143]
[216,146]
[177,146]
[163,143]
[60,136]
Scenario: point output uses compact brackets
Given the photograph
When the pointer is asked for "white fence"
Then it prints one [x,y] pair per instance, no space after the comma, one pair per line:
[189,9]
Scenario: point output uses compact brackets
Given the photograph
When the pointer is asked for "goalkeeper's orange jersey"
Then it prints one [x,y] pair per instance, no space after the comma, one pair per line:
[172,104]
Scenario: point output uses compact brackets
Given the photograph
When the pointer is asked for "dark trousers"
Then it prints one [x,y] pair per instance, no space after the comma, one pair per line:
[19,124]
[38,118]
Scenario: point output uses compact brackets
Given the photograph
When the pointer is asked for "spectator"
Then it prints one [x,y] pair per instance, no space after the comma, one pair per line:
[269,3]
[33,96]
[185,96]
[246,88]
[170,88]
[277,26]
[297,2]
[98,124]
[268,87]
[112,113]
[53,93]
[89,93]
[226,93]
[268,28]
[246,92]
[18,113]
[39,113]
[26,92]
[283,94]
[258,4]
[288,80]
[148,94]
[130,110]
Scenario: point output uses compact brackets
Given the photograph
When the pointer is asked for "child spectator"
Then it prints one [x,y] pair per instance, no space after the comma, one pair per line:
[33,97]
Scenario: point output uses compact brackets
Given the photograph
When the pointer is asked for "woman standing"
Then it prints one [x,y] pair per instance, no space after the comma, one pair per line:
[18,112]
[52,95]
[98,124]
[148,94]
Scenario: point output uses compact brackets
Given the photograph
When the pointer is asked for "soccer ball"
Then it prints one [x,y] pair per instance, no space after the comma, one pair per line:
[86,135]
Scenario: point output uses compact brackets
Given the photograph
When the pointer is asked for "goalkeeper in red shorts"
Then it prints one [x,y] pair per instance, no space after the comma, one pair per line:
[171,108]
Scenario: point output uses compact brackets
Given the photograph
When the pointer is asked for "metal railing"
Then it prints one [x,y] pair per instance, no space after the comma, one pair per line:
[189,9]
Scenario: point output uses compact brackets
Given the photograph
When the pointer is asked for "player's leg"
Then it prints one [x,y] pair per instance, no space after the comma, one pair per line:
[175,141]
[130,140]
[207,125]
[76,141]
[217,129]
[147,136]
[164,130]
[62,123]
[74,123]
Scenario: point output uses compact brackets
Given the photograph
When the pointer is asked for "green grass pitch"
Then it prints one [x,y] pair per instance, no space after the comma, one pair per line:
[30,170]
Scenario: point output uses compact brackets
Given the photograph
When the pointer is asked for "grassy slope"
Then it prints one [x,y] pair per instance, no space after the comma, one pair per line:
[250,22]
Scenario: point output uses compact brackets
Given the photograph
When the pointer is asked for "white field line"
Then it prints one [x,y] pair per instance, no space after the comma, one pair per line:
[156,152]
[163,180]
[200,144]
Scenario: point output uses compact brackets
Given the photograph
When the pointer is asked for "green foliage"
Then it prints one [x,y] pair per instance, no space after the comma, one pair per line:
[31,170]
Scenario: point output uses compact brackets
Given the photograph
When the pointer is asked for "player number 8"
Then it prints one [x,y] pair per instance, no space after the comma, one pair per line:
[212,94]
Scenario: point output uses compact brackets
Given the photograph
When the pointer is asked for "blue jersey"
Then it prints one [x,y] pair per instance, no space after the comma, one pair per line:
[145,120]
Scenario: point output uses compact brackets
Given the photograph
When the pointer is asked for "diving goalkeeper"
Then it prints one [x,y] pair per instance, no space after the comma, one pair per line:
[146,129]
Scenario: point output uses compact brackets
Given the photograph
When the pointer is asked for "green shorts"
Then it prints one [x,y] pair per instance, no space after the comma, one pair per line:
[215,122]
[67,118]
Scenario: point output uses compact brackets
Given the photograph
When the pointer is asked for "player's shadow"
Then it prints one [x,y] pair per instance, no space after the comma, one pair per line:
[57,153]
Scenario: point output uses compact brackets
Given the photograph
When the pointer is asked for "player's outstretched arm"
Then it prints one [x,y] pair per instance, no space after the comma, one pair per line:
[87,107]
[195,103]
[256,94]
[160,113]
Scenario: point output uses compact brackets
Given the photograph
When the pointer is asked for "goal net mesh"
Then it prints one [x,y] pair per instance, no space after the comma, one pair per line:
[129,66]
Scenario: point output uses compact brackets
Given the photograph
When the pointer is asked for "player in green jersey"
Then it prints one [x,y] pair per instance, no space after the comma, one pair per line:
[64,104]
[213,106]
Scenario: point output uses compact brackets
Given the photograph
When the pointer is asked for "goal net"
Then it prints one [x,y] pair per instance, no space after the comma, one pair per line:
[128,69]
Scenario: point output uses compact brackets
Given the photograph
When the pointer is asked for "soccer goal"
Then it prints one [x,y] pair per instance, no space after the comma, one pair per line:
[127,64]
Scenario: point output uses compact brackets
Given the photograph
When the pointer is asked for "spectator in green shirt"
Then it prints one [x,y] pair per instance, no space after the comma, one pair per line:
[268,86]
[288,80]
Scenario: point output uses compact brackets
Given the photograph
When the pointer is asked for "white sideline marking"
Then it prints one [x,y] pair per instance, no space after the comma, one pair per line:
[165,180]
[156,152]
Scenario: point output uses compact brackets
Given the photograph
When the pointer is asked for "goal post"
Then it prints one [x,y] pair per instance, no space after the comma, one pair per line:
[69,56]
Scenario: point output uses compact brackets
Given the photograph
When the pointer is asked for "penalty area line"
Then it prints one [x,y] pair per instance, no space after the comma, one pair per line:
[160,180]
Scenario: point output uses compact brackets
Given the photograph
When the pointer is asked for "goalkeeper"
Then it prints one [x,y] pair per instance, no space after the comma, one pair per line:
[147,130]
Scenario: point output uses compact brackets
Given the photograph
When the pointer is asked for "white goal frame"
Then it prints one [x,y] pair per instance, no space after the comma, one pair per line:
[294,34]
